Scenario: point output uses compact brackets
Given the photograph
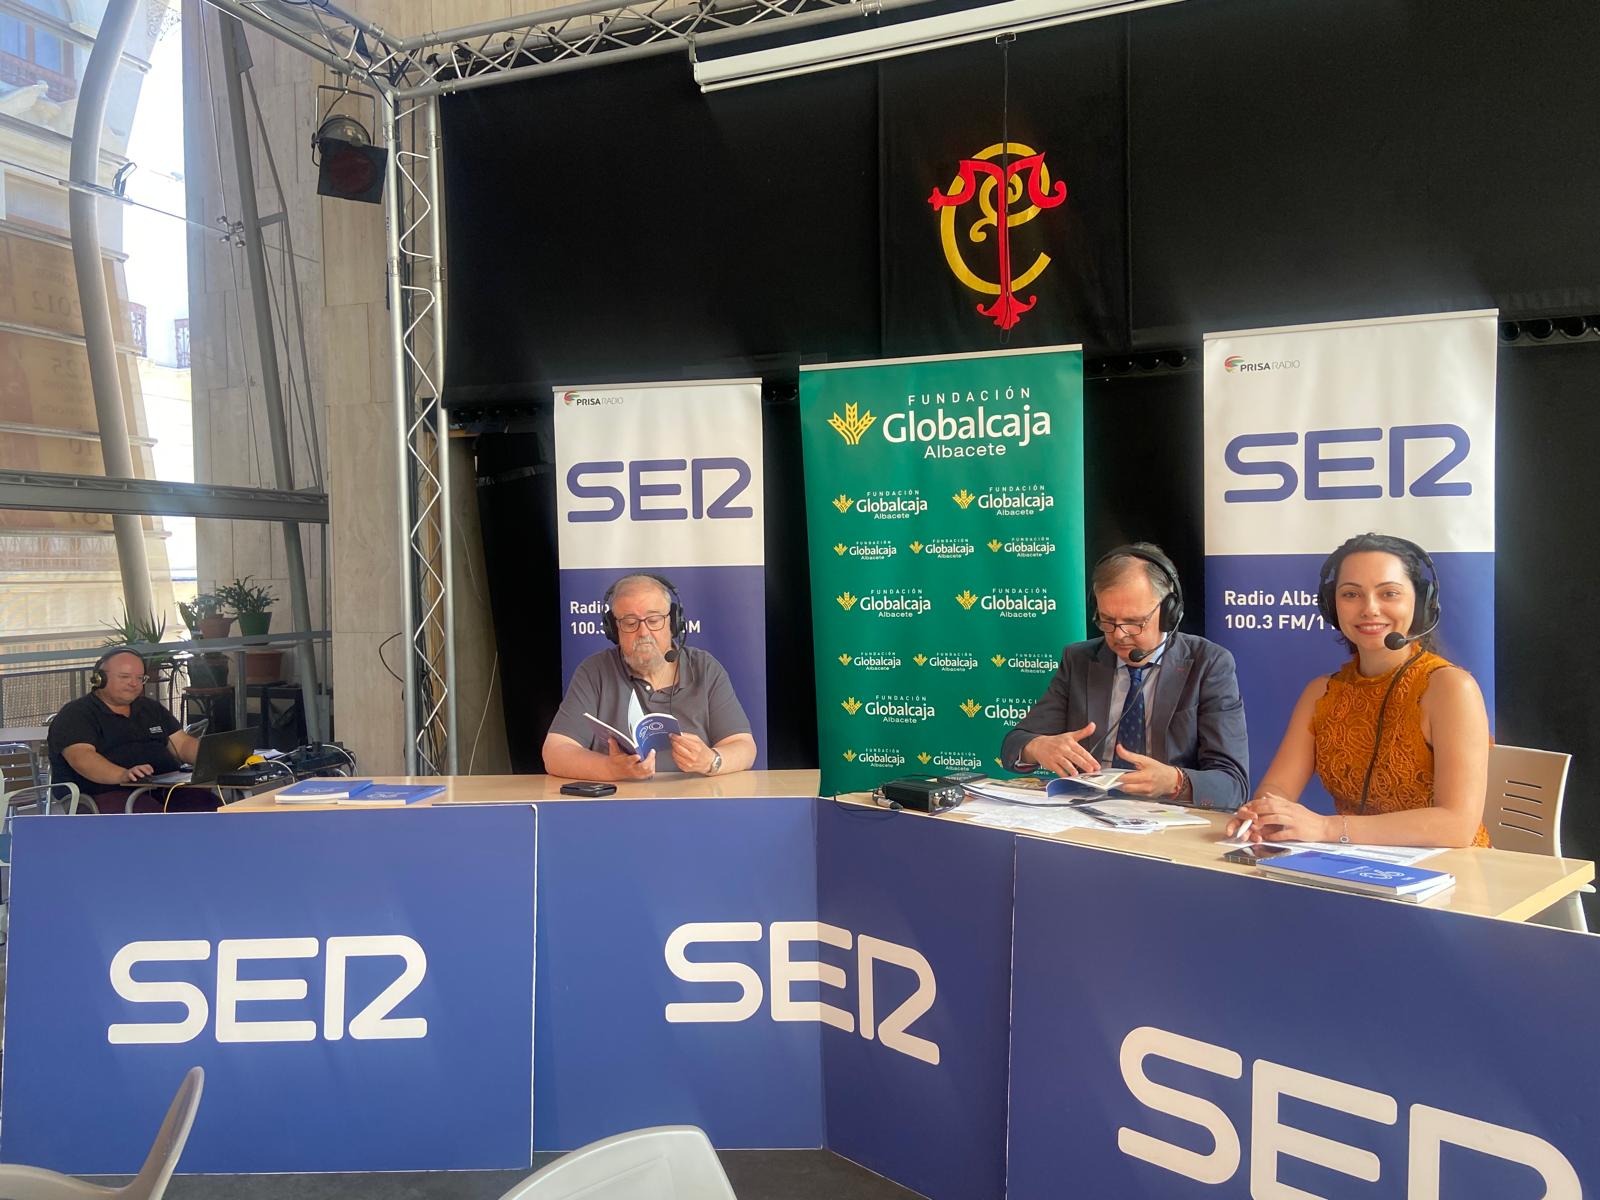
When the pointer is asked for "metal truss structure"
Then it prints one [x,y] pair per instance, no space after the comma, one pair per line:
[409,74]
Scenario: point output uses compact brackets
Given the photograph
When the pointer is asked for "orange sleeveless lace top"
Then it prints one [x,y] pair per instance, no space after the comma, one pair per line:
[1344,724]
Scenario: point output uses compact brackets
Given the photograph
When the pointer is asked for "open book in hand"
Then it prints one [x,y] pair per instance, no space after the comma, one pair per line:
[652,731]
[1092,783]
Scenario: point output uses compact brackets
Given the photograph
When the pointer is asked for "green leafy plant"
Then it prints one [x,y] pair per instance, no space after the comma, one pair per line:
[202,607]
[140,631]
[242,597]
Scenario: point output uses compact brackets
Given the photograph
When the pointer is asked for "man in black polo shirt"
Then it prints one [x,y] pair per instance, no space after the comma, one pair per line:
[115,737]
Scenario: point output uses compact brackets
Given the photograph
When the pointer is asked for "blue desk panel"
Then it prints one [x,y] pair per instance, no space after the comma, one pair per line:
[425,1064]
[1181,1033]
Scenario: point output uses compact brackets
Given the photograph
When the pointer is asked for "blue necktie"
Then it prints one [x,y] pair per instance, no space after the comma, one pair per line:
[1130,732]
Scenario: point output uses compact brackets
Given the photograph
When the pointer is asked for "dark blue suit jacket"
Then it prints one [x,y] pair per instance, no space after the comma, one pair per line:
[1194,714]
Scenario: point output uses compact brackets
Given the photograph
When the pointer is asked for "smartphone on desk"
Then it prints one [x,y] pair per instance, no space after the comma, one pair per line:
[1255,852]
[589,789]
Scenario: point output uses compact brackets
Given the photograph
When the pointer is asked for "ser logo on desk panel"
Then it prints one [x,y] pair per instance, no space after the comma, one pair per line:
[372,1023]
[1272,1138]
[784,971]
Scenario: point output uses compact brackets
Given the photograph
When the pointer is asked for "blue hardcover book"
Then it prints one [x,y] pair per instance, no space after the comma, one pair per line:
[1359,874]
[393,795]
[321,791]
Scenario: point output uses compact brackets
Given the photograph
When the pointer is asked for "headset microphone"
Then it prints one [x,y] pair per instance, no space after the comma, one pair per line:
[1138,656]
[1395,641]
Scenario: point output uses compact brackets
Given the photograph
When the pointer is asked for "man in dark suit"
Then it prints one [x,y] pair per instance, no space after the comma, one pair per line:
[1145,697]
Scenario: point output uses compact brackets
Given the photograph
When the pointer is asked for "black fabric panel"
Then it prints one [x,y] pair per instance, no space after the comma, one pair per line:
[1547,576]
[1296,163]
[1065,99]
[615,224]
[517,517]
[1142,478]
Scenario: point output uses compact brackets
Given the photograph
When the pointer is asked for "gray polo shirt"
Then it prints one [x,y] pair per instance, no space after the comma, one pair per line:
[702,699]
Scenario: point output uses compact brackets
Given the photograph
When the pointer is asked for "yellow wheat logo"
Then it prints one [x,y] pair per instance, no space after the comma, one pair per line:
[966,599]
[844,660]
[846,601]
[970,706]
[851,706]
[916,547]
[924,757]
[850,756]
[963,498]
[840,548]
[995,544]
[919,659]
[999,764]
[999,660]
[842,502]
[851,427]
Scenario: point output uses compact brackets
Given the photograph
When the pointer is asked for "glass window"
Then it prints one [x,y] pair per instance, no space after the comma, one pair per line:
[13,36]
[47,51]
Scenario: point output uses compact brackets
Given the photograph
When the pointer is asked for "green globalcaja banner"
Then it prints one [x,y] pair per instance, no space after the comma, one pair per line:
[944,499]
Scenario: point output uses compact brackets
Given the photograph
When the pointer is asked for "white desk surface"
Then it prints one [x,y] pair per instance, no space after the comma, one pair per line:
[1492,883]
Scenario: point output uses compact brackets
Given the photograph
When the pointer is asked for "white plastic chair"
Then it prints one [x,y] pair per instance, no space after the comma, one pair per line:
[35,1183]
[668,1162]
[1522,811]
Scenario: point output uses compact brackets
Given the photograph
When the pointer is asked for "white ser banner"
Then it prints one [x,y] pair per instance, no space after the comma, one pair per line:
[1317,432]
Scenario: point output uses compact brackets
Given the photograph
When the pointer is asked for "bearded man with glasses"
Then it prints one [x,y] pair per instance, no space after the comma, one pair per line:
[1161,704]
[649,670]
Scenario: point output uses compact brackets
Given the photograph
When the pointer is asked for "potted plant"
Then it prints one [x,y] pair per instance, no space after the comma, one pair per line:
[252,604]
[143,631]
[204,616]
[204,619]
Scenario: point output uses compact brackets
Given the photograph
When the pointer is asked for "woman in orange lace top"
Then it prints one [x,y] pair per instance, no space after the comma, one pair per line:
[1425,784]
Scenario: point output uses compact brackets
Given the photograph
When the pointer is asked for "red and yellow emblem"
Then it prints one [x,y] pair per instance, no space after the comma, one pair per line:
[999,190]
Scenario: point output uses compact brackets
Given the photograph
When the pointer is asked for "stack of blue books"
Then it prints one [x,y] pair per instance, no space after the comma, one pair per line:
[1351,874]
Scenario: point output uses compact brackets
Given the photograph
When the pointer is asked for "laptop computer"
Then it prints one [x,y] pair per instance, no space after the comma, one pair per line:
[218,754]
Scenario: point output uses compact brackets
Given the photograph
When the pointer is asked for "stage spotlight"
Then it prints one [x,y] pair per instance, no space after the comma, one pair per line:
[1510,331]
[1120,366]
[349,166]
[1539,330]
[1149,362]
[1174,360]
[1572,327]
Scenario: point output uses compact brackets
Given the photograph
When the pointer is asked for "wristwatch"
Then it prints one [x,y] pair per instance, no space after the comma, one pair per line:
[716,762]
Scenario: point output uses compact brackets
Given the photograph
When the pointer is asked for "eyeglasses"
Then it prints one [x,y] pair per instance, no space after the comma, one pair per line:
[1132,628]
[649,621]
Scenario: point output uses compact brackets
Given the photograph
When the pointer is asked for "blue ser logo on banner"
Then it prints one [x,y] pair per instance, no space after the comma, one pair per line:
[355,1007]
[1231,1037]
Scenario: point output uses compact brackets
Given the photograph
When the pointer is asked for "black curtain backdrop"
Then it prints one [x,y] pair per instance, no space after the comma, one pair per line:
[1230,164]
[1059,96]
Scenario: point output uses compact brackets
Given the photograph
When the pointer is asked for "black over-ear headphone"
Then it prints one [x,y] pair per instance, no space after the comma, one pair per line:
[675,624]
[1171,604]
[1327,581]
[97,673]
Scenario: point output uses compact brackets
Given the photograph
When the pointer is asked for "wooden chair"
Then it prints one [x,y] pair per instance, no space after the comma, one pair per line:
[1522,811]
